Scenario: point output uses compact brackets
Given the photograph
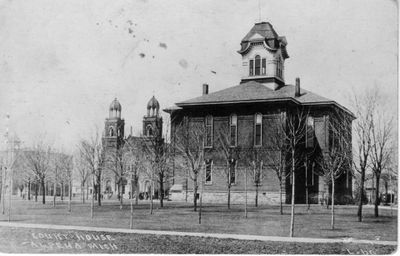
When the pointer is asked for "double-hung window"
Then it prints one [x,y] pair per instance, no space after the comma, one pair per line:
[258,130]
[209,131]
[233,130]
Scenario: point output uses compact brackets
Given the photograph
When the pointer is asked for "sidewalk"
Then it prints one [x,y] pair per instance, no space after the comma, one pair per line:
[212,235]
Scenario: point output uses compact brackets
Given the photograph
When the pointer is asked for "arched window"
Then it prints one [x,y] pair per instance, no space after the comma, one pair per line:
[257,65]
[149,130]
[111,132]
[233,130]
[258,130]
[209,131]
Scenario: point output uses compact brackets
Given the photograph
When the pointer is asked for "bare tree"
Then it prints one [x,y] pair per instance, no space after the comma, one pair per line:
[276,156]
[159,155]
[294,128]
[364,107]
[189,140]
[92,154]
[136,161]
[380,151]
[230,156]
[66,175]
[117,162]
[83,172]
[335,161]
[38,161]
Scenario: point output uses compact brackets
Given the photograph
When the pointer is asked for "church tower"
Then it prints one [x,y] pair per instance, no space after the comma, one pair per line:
[263,56]
[114,127]
[152,122]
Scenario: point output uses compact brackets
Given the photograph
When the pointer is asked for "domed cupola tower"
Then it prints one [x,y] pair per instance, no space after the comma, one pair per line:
[263,56]
[152,122]
[114,127]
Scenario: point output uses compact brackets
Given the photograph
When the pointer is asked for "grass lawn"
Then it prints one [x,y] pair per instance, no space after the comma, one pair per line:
[264,220]
[23,240]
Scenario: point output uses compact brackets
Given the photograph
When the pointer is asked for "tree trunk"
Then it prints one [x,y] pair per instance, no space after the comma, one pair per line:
[98,187]
[83,193]
[195,192]
[2,189]
[333,203]
[36,191]
[43,192]
[161,193]
[137,191]
[245,193]
[92,200]
[293,194]
[229,195]
[376,210]
[69,195]
[256,200]
[120,193]
[29,189]
[360,203]
[131,218]
[151,198]
[87,191]
[62,191]
[280,196]
[54,194]
[201,198]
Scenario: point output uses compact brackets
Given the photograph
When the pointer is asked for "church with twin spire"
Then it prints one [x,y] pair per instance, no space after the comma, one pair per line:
[115,143]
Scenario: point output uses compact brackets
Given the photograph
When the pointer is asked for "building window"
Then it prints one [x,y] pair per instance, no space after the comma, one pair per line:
[258,173]
[111,132]
[208,171]
[264,66]
[232,171]
[209,129]
[258,130]
[251,67]
[257,65]
[233,130]
[149,130]
[279,67]
[310,132]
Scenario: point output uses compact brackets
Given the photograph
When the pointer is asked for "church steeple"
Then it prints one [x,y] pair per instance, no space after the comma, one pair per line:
[114,127]
[263,55]
[152,122]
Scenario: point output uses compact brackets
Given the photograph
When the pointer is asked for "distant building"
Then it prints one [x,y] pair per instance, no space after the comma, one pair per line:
[246,112]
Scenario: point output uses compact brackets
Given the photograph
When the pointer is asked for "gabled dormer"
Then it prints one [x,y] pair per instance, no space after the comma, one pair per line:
[263,56]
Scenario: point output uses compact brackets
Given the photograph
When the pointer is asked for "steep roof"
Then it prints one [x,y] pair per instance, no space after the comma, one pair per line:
[256,92]
[265,29]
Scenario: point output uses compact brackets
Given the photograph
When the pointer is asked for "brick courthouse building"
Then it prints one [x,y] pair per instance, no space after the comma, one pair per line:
[246,113]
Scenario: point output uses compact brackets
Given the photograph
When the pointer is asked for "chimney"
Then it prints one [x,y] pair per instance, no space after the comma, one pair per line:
[205,89]
[297,88]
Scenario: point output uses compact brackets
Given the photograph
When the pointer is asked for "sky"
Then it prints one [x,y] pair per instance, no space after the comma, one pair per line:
[63,62]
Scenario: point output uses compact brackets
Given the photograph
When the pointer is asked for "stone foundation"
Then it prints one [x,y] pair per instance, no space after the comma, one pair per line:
[221,197]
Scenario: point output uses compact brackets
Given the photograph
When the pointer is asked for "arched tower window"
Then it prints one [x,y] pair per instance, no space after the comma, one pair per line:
[149,130]
[257,65]
[111,132]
